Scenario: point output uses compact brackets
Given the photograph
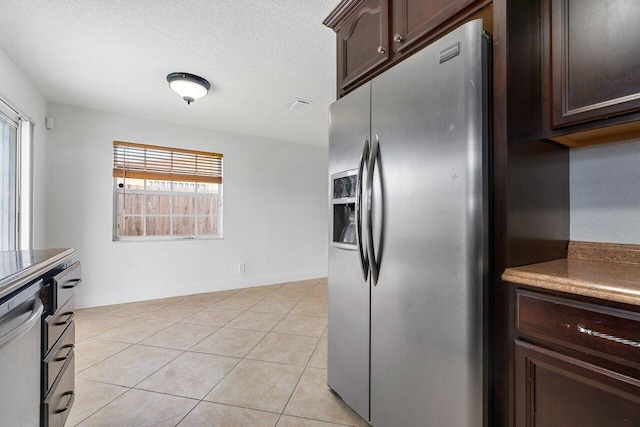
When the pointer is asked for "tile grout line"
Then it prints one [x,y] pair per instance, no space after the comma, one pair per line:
[100,361]
[131,345]
[122,342]
[170,305]
[182,352]
[230,370]
[301,375]
[101,407]
[252,348]
[321,421]
[131,320]
[107,330]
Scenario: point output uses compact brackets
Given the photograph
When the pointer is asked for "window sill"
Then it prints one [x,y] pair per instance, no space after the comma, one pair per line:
[163,239]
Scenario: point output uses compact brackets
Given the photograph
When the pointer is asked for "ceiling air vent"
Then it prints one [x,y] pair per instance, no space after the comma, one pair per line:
[299,104]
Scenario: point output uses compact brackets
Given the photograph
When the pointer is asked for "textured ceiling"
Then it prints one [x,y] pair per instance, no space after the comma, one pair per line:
[114,55]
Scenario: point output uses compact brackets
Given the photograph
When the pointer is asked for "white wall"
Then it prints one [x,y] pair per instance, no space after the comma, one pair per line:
[605,193]
[275,214]
[23,95]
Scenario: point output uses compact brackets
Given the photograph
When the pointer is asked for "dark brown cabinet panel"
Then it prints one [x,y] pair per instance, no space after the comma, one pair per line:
[592,66]
[373,35]
[363,41]
[57,404]
[555,390]
[54,326]
[65,284]
[414,19]
[54,362]
[58,343]
[576,363]
[580,326]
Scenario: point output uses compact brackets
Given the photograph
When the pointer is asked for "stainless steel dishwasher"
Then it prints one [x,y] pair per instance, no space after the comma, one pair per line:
[20,347]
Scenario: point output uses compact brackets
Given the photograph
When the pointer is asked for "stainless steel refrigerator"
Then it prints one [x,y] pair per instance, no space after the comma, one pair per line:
[408,255]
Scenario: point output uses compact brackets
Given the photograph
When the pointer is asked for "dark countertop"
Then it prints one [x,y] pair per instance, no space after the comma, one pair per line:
[598,270]
[18,268]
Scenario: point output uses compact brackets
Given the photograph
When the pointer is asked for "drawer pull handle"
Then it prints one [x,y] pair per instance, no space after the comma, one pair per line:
[71,315]
[73,283]
[584,330]
[69,402]
[66,356]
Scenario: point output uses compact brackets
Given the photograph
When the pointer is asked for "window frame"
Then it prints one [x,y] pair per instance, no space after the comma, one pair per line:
[21,221]
[145,192]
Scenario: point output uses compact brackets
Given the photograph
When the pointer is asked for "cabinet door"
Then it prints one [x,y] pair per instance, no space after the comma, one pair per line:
[363,41]
[416,18]
[592,61]
[557,390]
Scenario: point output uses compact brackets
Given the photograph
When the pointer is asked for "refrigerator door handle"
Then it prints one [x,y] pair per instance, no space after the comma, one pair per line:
[373,264]
[364,259]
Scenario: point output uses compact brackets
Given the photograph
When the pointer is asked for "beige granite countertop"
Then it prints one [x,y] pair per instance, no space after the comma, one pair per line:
[598,270]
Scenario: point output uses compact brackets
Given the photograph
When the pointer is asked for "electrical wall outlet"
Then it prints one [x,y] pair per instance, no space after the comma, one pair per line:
[242,268]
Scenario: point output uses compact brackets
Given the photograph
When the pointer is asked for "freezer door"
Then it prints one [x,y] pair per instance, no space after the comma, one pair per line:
[429,231]
[349,295]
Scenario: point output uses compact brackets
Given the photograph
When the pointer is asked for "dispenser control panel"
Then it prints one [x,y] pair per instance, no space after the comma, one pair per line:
[343,209]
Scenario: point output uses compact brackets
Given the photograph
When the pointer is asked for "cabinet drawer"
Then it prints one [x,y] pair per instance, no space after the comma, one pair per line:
[55,324]
[57,404]
[54,361]
[607,332]
[65,284]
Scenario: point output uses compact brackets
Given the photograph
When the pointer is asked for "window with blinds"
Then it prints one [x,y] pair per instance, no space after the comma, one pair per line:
[166,193]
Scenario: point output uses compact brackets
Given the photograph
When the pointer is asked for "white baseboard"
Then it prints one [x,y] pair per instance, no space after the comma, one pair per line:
[193,288]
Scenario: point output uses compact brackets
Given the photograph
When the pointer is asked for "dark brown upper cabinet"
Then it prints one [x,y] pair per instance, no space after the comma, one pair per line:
[373,35]
[415,19]
[591,66]
[363,39]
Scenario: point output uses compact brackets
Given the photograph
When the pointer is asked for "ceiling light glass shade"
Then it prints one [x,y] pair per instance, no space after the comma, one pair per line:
[189,86]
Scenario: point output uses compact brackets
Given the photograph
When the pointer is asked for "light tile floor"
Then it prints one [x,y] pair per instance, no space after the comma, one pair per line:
[248,357]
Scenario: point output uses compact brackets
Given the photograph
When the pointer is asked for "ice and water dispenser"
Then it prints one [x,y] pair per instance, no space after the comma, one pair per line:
[343,203]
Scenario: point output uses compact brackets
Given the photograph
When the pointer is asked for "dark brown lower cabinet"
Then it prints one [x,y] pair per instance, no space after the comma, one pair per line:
[57,404]
[58,344]
[577,361]
[556,390]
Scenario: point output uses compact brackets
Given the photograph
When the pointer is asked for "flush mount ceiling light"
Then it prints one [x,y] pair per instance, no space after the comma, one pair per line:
[189,86]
